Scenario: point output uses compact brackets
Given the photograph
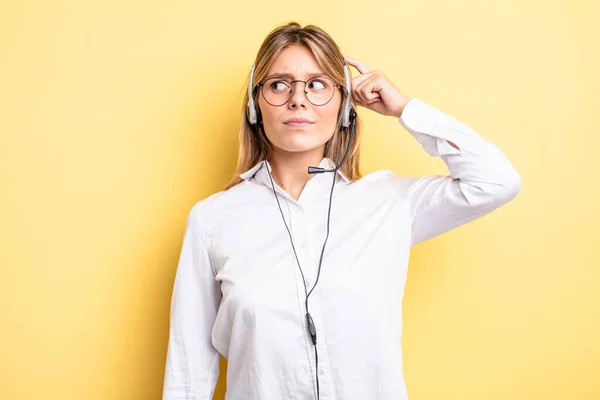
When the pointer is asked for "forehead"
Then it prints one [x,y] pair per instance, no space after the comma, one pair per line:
[295,61]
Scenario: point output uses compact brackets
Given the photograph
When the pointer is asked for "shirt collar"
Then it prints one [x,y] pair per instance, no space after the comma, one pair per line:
[325,163]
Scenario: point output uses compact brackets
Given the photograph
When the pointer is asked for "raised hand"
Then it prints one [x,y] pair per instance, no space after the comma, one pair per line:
[372,90]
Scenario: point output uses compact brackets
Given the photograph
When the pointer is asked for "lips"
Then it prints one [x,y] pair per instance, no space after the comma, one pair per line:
[297,122]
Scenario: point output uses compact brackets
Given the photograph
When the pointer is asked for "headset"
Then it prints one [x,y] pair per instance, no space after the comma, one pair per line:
[348,121]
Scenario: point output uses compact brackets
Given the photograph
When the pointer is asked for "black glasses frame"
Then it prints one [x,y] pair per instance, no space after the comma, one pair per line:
[261,86]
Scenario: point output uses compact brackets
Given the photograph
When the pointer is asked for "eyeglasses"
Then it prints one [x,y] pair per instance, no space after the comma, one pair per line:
[318,90]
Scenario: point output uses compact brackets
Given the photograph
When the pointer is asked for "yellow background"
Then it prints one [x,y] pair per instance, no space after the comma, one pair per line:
[117,116]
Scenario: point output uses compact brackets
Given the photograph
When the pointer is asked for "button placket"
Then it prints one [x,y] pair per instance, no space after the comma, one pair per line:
[298,229]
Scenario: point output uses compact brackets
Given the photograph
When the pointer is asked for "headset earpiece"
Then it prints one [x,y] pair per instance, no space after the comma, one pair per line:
[251,108]
[347,104]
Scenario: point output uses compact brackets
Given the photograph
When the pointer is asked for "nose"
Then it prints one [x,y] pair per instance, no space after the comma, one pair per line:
[298,97]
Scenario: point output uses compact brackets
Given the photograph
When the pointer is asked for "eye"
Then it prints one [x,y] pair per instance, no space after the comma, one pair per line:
[317,84]
[279,86]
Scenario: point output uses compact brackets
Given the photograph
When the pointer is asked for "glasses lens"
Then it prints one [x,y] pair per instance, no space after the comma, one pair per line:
[276,91]
[319,90]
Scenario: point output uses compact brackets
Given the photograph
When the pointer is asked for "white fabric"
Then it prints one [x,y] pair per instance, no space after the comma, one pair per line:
[238,290]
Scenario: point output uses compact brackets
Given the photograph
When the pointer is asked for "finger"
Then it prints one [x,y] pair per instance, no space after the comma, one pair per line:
[360,103]
[359,65]
[357,102]
[356,93]
[357,84]
[367,105]
[361,78]
[369,89]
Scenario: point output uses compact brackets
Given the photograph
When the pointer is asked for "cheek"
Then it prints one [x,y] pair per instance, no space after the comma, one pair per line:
[266,112]
[331,109]
[329,115]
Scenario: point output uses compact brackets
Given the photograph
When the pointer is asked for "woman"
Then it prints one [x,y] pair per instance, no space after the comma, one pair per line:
[302,311]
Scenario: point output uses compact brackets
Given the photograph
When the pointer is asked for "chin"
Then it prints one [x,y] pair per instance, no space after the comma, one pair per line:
[298,146]
[296,149]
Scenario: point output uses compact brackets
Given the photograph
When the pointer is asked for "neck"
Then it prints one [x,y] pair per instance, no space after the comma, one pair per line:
[290,169]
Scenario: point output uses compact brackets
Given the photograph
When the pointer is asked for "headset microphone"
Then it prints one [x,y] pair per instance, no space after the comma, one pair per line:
[318,170]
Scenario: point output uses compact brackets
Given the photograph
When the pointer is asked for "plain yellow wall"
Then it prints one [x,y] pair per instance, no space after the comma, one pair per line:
[118,116]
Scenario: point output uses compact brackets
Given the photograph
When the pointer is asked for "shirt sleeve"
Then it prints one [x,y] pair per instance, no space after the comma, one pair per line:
[481,178]
[192,364]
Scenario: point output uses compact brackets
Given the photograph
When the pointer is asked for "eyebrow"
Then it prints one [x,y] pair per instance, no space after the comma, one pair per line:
[290,76]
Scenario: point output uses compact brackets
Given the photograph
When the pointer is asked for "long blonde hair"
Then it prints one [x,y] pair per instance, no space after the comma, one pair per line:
[254,144]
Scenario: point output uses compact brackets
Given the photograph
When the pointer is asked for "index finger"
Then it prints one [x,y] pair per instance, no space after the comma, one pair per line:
[359,65]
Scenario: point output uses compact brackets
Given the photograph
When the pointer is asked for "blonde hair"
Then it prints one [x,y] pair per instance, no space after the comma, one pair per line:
[254,144]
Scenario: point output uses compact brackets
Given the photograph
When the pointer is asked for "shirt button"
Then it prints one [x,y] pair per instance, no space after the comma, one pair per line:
[320,371]
[306,283]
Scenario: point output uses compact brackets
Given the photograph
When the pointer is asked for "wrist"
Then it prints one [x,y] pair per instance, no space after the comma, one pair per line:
[400,109]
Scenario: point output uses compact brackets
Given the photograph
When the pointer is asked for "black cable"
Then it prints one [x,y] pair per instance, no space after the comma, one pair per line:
[311,325]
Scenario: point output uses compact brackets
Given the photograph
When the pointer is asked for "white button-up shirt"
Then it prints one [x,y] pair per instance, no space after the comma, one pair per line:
[238,290]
